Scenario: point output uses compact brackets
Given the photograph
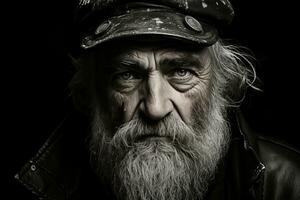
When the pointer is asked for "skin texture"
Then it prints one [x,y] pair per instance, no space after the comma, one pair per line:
[159,124]
[151,82]
[158,120]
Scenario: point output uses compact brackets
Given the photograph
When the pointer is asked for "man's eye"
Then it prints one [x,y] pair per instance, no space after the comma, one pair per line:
[183,79]
[182,72]
[126,76]
[125,81]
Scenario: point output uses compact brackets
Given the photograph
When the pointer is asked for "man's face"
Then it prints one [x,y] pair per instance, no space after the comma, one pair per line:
[153,82]
[158,129]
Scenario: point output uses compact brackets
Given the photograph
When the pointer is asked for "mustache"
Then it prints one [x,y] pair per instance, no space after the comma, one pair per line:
[170,128]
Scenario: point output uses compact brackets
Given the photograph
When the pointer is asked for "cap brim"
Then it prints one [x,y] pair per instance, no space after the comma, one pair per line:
[150,22]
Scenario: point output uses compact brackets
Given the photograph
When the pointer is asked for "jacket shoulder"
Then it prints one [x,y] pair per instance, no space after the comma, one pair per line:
[282,168]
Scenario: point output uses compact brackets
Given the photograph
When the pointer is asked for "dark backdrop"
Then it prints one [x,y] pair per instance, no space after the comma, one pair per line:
[36,71]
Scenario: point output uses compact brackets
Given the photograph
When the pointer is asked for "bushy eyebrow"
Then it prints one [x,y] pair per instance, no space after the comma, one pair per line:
[165,63]
[122,64]
[178,62]
[128,62]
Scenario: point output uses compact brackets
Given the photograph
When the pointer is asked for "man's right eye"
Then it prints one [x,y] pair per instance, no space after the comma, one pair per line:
[125,76]
[125,81]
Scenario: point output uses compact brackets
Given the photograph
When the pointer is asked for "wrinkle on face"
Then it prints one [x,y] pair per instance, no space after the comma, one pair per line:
[149,63]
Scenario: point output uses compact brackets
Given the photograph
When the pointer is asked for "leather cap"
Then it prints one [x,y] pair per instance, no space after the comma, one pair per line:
[195,21]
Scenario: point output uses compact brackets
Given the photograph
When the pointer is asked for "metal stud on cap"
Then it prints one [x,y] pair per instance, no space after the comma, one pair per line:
[87,41]
[193,23]
[103,27]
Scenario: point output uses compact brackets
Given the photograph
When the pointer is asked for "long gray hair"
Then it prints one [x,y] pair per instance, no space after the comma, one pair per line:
[234,70]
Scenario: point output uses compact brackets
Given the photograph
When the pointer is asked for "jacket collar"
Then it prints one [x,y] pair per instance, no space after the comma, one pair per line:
[250,146]
[243,161]
[56,170]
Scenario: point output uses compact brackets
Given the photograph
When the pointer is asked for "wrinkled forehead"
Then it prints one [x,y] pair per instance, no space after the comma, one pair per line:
[162,49]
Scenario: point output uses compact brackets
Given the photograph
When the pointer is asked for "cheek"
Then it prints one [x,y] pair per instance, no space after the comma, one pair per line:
[196,97]
[123,106]
[116,103]
[201,100]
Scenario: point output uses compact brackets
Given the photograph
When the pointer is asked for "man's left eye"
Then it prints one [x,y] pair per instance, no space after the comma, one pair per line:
[182,79]
[182,72]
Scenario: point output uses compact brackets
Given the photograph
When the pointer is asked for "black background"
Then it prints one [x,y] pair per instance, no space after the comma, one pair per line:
[36,71]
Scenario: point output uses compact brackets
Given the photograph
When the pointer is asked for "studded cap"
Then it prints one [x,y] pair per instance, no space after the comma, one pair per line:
[195,21]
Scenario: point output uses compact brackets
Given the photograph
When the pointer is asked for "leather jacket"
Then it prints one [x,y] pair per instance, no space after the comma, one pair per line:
[255,167]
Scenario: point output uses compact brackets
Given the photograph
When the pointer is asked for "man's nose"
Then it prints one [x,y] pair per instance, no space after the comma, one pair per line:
[156,102]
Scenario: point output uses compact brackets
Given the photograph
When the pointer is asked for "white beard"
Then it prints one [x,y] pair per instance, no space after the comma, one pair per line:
[179,164]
